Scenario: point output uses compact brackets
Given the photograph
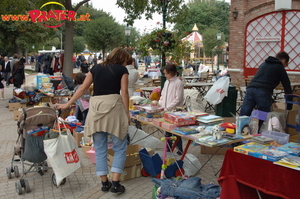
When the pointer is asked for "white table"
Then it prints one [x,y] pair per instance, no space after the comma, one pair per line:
[191,79]
[202,87]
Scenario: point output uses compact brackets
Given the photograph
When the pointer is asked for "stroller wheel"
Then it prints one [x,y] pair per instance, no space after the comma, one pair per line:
[63,181]
[45,166]
[16,171]
[26,186]
[18,187]
[8,172]
[158,176]
[144,173]
[54,180]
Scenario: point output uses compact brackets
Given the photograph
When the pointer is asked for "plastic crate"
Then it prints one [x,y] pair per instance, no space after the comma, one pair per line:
[280,138]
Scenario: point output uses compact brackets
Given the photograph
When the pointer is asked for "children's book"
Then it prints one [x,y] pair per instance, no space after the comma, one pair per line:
[249,148]
[186,130]
[209,117]
[290,161]
[210,141]
[243,125]
[197,113]
[292,148]
[261,139]
[270,154]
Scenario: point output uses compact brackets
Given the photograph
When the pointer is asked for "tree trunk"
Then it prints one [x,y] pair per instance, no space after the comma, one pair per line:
[68,49]
[18,49]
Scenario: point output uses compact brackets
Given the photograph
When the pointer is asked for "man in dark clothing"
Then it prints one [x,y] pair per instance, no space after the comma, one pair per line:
[260,90]
[6,69]
[84,67]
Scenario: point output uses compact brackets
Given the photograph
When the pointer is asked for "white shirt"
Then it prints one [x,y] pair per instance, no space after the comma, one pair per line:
[5,65]
[132,78]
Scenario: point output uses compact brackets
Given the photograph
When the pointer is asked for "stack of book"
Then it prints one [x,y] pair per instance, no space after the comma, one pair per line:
[290,161]
[292,148]
[249,148]
[209,141]
[209,120]
[185,130]
[270,154]
[262,139]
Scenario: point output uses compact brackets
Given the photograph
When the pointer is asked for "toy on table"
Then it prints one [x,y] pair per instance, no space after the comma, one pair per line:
[216,132]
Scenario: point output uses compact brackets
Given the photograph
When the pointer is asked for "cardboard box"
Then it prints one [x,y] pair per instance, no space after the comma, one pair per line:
[85,149]
[212,150]
[291,119]
[133,157]
[78,137]
[230,119]
[17,113]
[129,172]
[15,106]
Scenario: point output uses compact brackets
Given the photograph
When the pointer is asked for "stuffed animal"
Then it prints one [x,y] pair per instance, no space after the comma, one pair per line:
[137,99]
[216,132]
[202,131]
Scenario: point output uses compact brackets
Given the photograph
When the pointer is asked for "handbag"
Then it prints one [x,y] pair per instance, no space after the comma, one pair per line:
[218,91]
[62,152]
[11,79]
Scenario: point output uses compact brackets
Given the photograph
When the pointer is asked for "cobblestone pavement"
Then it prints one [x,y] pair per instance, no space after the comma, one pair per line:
[83,183]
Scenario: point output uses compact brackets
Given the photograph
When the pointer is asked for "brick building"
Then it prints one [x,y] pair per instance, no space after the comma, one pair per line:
[262,28]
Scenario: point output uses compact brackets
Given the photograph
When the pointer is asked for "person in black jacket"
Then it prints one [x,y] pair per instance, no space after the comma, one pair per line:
[19,73]
[260,90]
[84,67]
[6,69]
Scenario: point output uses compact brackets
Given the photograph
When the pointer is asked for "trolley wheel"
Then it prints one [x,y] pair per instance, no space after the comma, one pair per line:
[26,186]
[45,166]
[16,171]
[18,187]
[144,173]
[54,180]
[179,172]
[8,172]
[158,176]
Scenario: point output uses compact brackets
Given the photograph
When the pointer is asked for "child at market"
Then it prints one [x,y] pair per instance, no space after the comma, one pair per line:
[2,87]
[172,96]
[82,104]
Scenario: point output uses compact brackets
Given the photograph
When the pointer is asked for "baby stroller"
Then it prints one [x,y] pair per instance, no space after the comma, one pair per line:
[29,152]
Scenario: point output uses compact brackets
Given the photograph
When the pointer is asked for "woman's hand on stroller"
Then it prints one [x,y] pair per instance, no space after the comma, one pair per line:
[61,106]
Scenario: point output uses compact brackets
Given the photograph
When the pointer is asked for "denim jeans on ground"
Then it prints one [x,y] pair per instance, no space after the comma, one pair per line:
[100,146]
[190,188]
[256,98]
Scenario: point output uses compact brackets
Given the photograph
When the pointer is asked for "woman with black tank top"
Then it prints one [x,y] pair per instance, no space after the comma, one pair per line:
[108,115]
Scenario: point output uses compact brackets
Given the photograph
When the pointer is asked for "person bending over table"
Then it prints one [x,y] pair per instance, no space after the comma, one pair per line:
[172,96]
[260,90]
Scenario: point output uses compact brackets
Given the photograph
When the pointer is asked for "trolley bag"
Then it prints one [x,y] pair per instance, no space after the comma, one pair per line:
[62,153]
[218,91]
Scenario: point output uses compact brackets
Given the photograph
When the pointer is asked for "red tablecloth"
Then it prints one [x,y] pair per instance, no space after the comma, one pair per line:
[242,175]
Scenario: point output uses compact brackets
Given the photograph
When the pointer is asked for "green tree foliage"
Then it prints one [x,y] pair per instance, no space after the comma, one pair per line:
[162,41]
[21,35]
[103,34]
[79,44]
[210,42]
[135,9]
[94,14]
[206,14]
[134,38]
